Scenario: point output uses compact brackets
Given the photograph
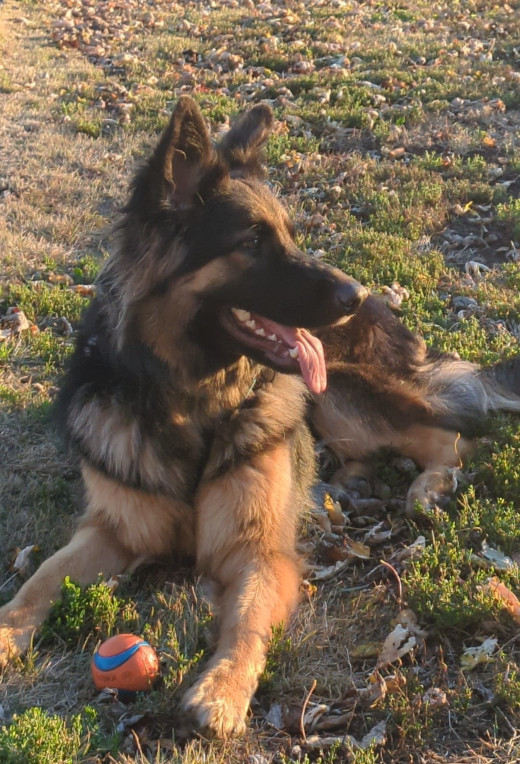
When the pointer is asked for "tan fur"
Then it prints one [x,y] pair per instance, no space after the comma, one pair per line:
[344,431]
[258,577]
[147,525]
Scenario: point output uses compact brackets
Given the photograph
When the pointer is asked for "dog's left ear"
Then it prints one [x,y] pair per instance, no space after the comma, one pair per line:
[241,146]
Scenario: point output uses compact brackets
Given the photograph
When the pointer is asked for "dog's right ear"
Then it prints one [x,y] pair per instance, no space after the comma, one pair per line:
[177,174]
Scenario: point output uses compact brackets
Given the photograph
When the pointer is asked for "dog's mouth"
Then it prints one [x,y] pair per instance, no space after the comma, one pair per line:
[284,347]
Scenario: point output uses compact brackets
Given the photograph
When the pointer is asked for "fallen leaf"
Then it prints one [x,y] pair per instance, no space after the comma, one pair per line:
[275,716]
[366,650]
[357,549]
[498,558]
[321,574]
[506,597]
[435,697]
[60,278]
[408,619]
[13,322]
[398,643]
[378,534]
[313,713]
[376,736]
[473,656]
[22,558]
[334,510]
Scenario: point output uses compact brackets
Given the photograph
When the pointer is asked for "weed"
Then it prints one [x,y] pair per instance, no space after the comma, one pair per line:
[83,615]
[36,737]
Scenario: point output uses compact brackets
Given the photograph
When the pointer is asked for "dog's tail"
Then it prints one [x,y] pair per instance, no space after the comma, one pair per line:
[466,392]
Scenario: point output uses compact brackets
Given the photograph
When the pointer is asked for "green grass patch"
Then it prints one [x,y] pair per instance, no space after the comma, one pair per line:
[83,615]
[37,737]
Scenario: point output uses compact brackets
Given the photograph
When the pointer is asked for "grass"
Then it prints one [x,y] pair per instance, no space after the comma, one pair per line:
[397,148]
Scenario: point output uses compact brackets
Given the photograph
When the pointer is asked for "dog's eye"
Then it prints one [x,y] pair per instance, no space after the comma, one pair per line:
[252,243]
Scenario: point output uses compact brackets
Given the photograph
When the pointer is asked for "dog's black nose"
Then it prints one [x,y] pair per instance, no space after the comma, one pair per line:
[350,295]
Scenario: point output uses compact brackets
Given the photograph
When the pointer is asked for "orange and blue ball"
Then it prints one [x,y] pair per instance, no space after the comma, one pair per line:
[126,663]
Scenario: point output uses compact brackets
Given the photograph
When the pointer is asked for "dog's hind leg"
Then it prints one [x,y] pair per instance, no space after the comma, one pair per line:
[93,550]
[246,544]
[440,453]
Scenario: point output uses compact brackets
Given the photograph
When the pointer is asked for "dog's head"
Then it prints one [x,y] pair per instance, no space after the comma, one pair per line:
[208,248]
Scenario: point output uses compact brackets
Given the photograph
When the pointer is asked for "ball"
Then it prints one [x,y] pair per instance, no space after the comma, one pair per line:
[126,663]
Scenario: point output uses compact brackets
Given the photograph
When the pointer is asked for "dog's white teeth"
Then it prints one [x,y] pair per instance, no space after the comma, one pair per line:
[242,315]
[251,324]
[260,332]
[273,337]
[294,353]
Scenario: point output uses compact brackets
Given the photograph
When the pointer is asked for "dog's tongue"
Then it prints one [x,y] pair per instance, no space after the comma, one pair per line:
[310,356]
[312,361]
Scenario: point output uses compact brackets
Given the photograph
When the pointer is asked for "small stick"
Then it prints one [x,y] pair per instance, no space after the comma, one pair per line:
[304,708]
[397,578]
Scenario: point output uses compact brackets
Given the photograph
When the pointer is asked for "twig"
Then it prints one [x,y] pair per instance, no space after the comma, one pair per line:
[11,578]
[304,708]
[138,743]
[397,578]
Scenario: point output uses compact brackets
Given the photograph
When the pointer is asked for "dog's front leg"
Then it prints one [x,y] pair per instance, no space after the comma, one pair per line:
[246,544]
[93,550]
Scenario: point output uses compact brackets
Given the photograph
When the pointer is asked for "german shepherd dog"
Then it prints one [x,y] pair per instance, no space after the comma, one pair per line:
[190,439]
[188,394]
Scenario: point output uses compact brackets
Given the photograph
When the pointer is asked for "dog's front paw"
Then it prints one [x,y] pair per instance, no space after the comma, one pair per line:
[217,703]
[11,645]
[15,634]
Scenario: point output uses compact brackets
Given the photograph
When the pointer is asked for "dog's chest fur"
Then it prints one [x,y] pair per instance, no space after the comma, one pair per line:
[149,434]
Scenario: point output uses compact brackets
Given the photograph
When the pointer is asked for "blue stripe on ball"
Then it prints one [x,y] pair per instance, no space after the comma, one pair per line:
[111,662]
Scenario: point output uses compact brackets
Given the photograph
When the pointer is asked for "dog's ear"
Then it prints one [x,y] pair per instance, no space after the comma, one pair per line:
[241,146]
[184,157]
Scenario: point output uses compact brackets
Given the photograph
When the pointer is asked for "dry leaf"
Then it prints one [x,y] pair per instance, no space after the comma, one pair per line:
[275,716]
[60,278]
[12,323]
[334,510]
[498,558]
[366,650]
[398,643]
[378,534]
[313,713]
[85,290]
[473,656]
[435,697]
[408,619]
[506,597]
[22,558]
[357,549]
[321,574]
[322,519]
[376,736]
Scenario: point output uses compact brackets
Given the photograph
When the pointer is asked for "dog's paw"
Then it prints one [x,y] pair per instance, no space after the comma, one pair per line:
[11,645]
[431,489]
[217,703]
[15,634]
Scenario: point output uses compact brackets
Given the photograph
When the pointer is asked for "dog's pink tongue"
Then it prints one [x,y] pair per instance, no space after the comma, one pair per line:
[312,361]
[310,356]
